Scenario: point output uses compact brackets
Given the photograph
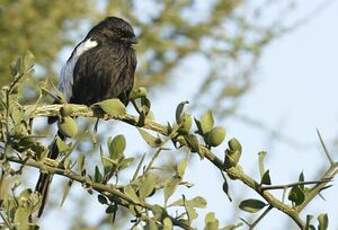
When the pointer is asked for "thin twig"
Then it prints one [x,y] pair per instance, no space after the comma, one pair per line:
[272,187]
[235,173]
[324,147]
[253,225]
[96,186]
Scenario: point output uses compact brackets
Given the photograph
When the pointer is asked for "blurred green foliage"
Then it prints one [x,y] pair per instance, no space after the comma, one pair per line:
[39,26]
[170,32]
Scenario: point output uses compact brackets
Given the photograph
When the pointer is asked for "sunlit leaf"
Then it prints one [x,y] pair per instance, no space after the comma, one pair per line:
[116,146]
[167,224]
[129,190]
[147,185]
[323,222]
[215,137]
[181,167]
[150,139]
[112,107]
[68,127]
[211,222]
[261,156]
[207,122]
[196,202]
[170,187]
[193,143]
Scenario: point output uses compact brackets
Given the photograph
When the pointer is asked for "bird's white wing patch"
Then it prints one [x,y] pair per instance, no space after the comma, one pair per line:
[66,80]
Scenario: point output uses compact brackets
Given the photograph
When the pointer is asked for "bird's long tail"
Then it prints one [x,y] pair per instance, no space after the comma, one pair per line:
[45,179]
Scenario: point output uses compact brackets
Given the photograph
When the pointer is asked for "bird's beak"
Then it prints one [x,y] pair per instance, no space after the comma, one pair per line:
[133,40]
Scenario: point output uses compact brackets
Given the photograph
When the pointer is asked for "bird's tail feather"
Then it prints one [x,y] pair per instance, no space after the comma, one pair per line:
[45,179]
[42,188]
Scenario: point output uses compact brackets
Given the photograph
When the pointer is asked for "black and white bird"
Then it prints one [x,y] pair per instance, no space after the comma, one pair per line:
[100,67]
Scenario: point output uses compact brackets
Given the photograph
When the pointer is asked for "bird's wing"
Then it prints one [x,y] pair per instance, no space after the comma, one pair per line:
[104,72]
[66,76]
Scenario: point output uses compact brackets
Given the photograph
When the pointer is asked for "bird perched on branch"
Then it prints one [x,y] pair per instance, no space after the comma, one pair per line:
[100,67]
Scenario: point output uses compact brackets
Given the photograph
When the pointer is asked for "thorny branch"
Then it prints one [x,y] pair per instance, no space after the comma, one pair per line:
[101,188]
[235,173]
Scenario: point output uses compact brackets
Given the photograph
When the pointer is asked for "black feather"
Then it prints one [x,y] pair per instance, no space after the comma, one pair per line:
[106,71]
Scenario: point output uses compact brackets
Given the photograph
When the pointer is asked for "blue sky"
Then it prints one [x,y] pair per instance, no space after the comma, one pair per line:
[295,94]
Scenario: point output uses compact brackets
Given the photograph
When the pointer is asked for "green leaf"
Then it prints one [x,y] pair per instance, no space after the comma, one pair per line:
[215,137]
[206,122]
[266,178]
[125,163]
[151,225]
[190,210]
[193,144]
[181,167]
[98,176]
[167,224]
[261,156]
[112,107]
[138,93]
[148,185]
[111,209]
[308,225]
[252,205]
[108,164]
[129,191]
[158,212]
[170,187]
[179,111]
[61,145]
[68,127]
[185,124]
[225,188]
[150,139]
[196,202]
[233,153]
[102,199]
[116,147]
[234,145]
[296,195]
[323,222]
[21,218]
[211,222]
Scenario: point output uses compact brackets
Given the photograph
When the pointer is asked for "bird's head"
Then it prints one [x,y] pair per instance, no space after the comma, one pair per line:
[114,29]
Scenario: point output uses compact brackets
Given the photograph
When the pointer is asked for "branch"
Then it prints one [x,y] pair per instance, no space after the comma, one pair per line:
[272,187]
[316,189]
[235,173]
[101,188]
